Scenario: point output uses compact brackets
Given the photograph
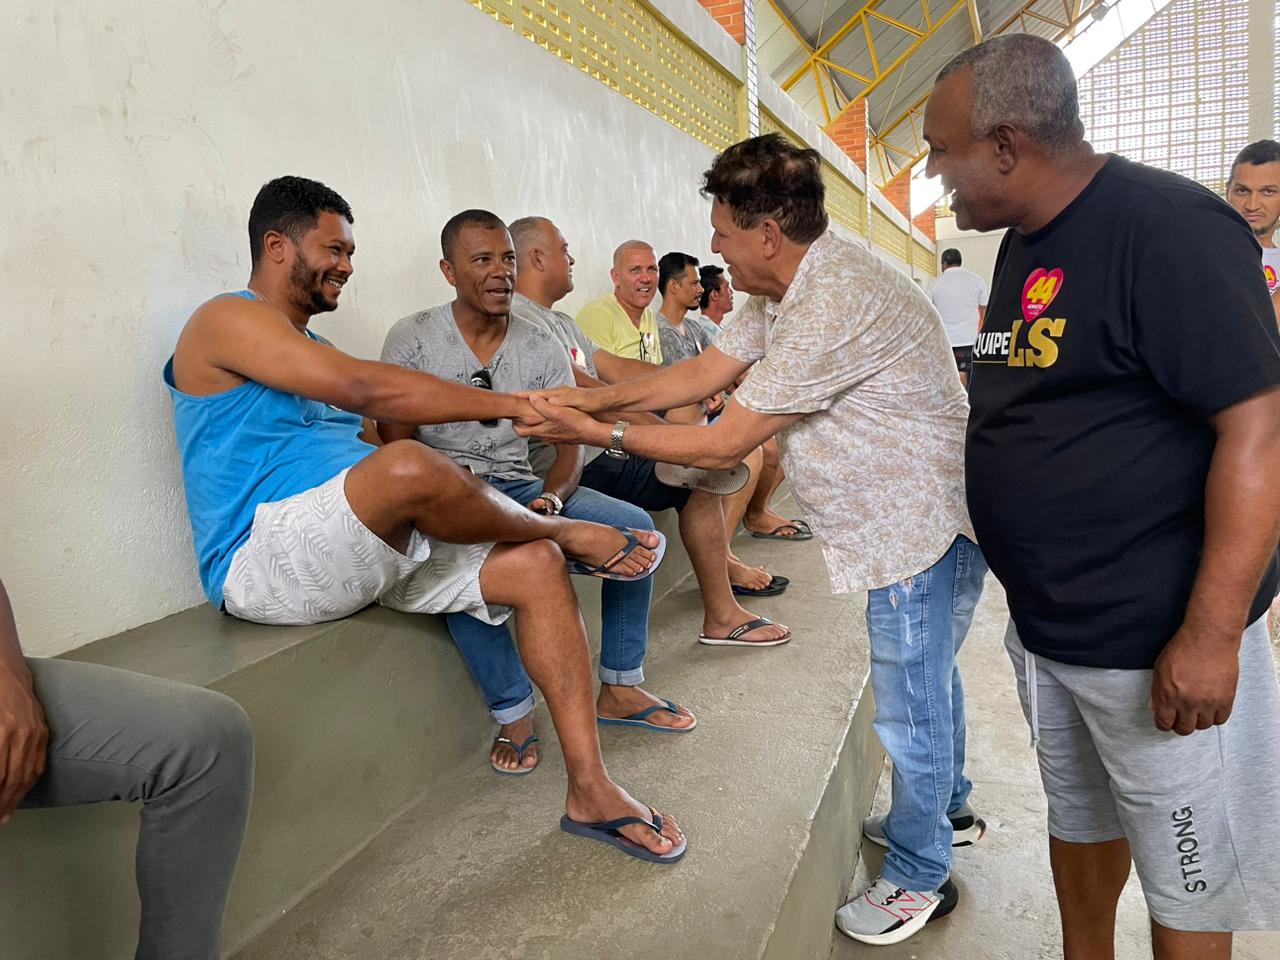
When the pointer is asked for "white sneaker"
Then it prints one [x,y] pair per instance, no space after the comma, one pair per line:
[884,914]
[967,828]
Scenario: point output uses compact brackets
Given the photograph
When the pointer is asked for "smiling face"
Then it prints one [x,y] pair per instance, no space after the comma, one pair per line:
[1254,190]
[970,168]
[322,264]
[743,250]
[483,269]
[635,277]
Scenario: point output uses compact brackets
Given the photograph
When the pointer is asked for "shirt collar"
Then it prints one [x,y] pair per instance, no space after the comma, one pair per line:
[817,251]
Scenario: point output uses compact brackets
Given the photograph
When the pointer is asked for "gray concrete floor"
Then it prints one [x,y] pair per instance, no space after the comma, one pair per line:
[1007,909]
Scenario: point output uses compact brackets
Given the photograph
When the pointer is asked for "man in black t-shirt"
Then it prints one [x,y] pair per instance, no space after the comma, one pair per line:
[1123,445]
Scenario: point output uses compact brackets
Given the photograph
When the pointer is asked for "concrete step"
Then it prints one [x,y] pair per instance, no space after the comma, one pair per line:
[354,719]
[771,789]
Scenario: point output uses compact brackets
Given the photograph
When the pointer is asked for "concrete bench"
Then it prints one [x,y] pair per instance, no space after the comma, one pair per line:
[363,720]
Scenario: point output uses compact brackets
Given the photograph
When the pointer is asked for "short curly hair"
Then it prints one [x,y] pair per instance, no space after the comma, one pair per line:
[769,177]
[291,205]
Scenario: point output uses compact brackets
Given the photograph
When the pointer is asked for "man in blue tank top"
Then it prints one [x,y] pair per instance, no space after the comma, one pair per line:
[298,518]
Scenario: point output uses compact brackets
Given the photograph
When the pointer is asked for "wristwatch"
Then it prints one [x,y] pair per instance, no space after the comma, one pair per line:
[554,504]
[615,441]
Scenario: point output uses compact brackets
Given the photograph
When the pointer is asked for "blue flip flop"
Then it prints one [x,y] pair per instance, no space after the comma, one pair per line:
[638,719]
[607,832]
[521,749]
[605,570]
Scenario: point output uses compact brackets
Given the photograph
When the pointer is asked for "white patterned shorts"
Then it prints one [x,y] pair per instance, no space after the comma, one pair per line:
[309,558]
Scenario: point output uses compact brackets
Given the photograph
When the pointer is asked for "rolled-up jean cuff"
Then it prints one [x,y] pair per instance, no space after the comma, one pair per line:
[622,678]
[512,714]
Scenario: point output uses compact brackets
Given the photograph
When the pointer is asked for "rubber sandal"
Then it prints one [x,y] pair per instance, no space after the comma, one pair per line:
[521,749]
[776,586]
[720,482]
[638,719]
[607,832]
[603,571]
[734,639]
[802,532]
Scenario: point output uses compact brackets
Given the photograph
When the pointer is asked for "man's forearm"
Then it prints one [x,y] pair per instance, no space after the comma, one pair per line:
[1242,521]
[394,394]
[566,471]
[692,446]
[683,383]
[616,369]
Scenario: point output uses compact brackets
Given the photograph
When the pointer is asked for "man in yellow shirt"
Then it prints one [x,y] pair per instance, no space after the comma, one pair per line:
[622,322]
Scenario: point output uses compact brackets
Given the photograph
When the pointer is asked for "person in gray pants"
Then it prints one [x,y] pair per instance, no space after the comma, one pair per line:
[73,733]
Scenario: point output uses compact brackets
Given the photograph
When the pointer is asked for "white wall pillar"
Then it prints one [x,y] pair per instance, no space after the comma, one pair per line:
[1262,69]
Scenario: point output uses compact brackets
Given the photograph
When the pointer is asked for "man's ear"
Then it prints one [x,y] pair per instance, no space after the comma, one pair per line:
[1006,141]
[613,275]
[536,259]
[447,269]
[770,237]
[276,246]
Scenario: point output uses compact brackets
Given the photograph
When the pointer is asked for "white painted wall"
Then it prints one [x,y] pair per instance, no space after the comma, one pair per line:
[977,249]
[133,137]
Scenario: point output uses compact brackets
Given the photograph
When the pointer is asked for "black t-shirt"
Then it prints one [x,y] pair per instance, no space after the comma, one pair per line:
[1111,337]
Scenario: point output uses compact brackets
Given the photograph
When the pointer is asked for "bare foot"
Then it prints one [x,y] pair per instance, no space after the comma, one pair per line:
[608,801]
[595,543]
[752,578]
[722,626]
[618,703]
[506,756]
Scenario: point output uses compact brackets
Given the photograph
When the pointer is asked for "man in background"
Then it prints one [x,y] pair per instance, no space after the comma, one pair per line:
[961,298]
[717,298]
[1254,190]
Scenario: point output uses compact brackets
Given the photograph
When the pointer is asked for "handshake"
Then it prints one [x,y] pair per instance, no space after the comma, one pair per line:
[564,415]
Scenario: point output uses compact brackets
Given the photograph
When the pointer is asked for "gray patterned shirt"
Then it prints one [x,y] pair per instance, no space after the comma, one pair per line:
[529,358]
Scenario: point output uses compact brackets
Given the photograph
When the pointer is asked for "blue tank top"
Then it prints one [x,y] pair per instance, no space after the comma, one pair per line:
[247,446]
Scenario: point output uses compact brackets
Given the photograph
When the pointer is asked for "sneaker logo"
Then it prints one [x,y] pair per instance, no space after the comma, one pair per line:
[1188,846]
[903,904]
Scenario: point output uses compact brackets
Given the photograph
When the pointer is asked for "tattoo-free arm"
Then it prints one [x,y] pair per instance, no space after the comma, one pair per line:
[1194,683]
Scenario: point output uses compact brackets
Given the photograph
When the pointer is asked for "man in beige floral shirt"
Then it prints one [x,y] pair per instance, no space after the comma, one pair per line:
[851,369]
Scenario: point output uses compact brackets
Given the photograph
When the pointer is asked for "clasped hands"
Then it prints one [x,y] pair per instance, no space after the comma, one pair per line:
[562,415]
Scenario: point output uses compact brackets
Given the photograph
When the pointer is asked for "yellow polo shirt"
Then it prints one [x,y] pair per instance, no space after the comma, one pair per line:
[609,327]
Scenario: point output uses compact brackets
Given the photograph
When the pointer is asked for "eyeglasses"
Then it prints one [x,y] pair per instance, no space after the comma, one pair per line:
[646,347]
[483,380]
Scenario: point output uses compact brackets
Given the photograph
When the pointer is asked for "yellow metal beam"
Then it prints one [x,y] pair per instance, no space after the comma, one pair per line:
[975,21]
[1074,13]
[821,69]
[881,71]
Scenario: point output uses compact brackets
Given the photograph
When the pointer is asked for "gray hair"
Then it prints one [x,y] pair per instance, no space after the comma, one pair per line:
[1024,81]
[525,234]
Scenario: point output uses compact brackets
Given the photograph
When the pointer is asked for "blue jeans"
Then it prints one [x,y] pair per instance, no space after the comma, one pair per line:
[489,651]
[916,628]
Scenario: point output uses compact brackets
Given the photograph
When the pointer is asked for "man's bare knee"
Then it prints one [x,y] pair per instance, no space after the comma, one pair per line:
[525,574]
[410,466]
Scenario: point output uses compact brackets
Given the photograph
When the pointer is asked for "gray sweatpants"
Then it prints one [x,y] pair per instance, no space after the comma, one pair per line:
[1201,813]
[187,754]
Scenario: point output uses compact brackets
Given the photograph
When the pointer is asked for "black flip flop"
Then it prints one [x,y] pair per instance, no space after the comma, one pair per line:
[802,532]
[776,586]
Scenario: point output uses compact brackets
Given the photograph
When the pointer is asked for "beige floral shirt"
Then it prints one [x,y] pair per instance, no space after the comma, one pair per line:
[878,462]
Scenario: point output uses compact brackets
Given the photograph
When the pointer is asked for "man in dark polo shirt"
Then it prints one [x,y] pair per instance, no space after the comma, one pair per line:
[1121,465]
